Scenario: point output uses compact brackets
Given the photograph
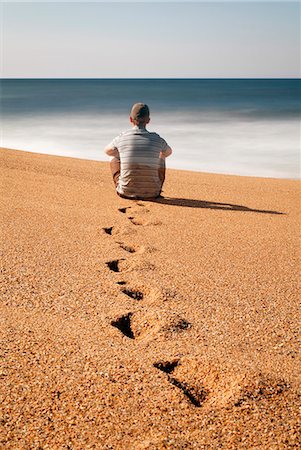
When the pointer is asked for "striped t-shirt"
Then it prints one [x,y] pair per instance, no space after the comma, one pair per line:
[139,152]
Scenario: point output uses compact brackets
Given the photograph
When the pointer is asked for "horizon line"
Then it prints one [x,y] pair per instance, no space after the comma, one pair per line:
[151,78]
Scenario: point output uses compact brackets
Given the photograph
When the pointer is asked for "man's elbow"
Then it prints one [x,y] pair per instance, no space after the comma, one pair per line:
[168,152]
[110,151]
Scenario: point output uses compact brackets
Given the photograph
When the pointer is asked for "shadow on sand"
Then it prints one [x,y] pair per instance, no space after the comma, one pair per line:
[190,203]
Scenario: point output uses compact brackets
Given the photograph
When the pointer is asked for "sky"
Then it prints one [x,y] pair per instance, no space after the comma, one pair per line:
[150,39]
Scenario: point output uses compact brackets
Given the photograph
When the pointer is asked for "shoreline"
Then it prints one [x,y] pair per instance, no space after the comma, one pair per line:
[164,324]
[168,168]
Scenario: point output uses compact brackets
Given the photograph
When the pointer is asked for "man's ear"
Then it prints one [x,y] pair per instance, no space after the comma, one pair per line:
[131,120]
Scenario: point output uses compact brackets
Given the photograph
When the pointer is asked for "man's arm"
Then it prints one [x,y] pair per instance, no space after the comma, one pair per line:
[111,151]
[167,153]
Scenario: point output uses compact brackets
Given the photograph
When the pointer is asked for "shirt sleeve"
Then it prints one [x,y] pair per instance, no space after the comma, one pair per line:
[164,145]
[115,142]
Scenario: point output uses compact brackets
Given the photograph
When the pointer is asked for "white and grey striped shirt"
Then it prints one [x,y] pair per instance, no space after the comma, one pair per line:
[139,152]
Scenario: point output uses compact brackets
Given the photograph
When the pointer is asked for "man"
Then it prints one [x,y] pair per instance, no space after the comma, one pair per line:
[138,164]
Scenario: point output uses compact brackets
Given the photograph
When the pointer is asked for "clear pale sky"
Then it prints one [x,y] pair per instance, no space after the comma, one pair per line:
[150,39]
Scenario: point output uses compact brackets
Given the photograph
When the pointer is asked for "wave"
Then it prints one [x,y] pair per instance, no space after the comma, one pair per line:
[209,142]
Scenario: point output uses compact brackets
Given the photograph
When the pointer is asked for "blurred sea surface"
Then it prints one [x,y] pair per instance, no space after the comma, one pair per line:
[232,126]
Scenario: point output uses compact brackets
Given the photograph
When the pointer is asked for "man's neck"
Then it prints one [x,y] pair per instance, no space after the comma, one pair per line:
[141,126]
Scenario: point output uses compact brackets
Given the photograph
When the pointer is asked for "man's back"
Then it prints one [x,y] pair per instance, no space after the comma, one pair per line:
[138,164]
[139,152]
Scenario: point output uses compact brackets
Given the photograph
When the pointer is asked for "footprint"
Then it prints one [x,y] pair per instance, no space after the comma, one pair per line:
[135,248]
[127,325]
[136,295]
[114,265]
[127,248]
[144,222]
[136,264]
[139,211]
[255,387]
[122,230]
[219,385]
[123,323]
[166,366]
[157,323]
[137,221]
[141,328]
[108,230]
[123,210]
[194,395]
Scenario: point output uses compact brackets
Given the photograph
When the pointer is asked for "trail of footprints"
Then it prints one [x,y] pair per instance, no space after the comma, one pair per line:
[149,321]
[124,322]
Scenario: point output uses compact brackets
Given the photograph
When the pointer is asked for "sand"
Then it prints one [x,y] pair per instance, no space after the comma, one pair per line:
[147,325]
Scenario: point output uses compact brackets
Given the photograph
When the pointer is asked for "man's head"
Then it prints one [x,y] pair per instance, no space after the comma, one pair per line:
[139,114]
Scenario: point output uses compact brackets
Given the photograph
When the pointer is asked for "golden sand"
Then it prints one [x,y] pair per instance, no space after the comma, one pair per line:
[147,325]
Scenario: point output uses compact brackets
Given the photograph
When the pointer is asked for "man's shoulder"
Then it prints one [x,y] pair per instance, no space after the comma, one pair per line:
[155,135]
[136,132]
[125,132]
[122,134]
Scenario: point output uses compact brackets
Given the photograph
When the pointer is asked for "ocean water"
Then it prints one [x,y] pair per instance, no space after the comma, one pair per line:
[232,126]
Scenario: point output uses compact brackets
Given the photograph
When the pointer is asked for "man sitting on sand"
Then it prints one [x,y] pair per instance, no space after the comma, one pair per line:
[138,164]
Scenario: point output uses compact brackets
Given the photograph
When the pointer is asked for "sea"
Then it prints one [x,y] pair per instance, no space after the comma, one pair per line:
[248,127]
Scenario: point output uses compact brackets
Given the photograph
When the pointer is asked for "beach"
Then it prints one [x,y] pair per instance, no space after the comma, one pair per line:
[167,324]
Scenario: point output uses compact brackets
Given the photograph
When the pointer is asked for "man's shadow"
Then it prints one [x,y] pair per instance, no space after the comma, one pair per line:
[190,203]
